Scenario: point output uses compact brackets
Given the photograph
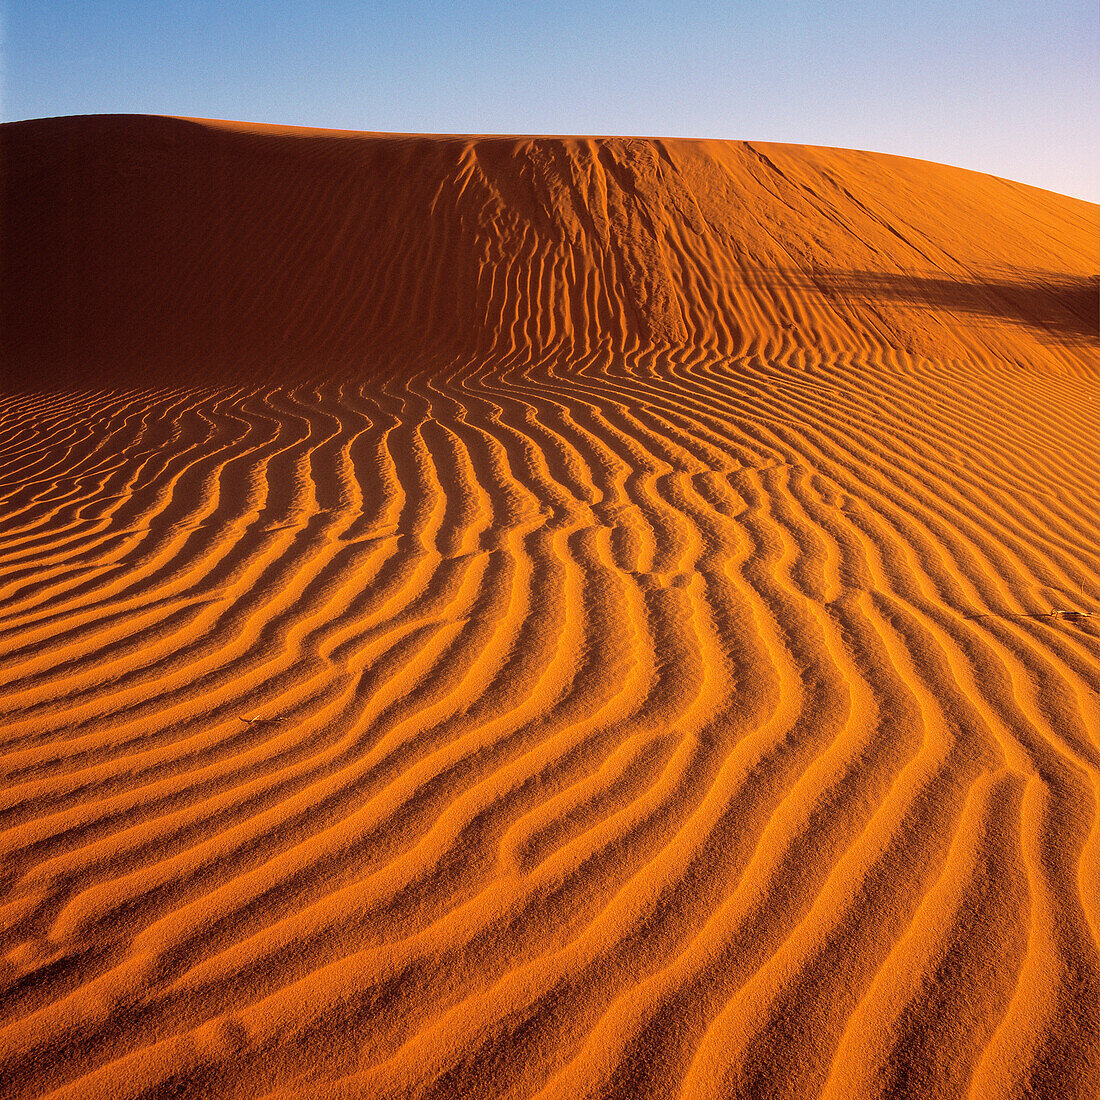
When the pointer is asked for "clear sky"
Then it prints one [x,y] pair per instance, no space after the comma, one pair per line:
[1003,86]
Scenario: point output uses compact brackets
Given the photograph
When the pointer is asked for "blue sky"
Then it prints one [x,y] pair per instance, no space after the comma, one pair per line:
[1003,86]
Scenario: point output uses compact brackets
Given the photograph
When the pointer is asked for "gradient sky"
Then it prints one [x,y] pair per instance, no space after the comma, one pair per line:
[1003,86]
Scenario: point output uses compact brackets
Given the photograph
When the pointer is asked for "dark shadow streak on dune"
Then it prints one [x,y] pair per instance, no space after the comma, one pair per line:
[1061,308]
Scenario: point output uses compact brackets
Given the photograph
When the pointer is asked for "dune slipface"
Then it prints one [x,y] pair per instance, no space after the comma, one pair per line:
[543,617]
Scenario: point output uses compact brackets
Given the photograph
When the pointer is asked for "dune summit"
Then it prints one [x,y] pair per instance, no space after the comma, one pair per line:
[191,249]
[543,617]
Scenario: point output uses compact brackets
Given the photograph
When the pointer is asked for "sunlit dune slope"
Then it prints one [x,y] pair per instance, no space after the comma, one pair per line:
[138,243]
[543,618]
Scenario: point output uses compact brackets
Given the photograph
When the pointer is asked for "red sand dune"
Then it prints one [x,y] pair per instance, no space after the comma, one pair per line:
[558,617]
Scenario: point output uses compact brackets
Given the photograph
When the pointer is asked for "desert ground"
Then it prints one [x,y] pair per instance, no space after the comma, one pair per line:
[543,617]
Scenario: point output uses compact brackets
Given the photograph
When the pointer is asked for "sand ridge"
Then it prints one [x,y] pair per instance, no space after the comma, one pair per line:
[543,617]
[175,248]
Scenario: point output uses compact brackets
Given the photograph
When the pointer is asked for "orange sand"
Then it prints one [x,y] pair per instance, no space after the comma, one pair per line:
[543,617]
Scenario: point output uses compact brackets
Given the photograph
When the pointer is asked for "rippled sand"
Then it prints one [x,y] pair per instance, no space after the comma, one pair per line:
[543,617]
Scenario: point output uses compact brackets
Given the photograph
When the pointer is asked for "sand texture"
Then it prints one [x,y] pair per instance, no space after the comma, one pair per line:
[543,617]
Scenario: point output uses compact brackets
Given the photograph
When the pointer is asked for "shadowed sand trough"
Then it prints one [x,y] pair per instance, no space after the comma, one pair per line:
[543,617]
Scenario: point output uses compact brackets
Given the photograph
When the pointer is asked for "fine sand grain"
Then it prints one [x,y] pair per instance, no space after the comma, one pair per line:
[543,617]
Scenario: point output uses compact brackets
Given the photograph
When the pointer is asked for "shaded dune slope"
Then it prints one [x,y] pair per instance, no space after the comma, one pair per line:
[154,244]
[543,618]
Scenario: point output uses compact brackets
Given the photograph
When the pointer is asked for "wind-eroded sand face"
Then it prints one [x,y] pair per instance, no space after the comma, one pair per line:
[543,617]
